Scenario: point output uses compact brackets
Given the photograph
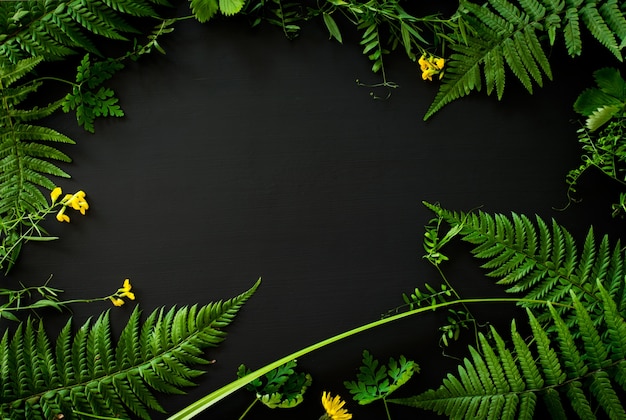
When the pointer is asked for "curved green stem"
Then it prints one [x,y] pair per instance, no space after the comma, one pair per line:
[202,404]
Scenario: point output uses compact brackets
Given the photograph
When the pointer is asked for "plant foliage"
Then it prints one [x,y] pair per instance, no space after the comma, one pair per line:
[204,10]
[86,373]
[607,100]
[574,363]
[25,149]
[377,381]
[282,387]
[604,150]
[602,139]
[385,26]
[88,97]
[288,15]
[515,35]
[541,260]
[53,29]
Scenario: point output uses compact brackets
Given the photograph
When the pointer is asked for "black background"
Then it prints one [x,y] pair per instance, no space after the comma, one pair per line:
[244,155]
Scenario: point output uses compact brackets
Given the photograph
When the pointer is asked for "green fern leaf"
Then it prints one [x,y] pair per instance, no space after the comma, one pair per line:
[88,98]
[57,28]
[578,369]
[600,29]
[571,32]
[282,387]
[541,263]
[613,16]
[131,7]
[87,373]
[377,381]
[502,33]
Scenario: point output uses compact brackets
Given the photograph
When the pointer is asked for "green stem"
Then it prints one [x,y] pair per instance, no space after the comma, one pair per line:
[207,401]
[93,416]
[248,409]
[387,409]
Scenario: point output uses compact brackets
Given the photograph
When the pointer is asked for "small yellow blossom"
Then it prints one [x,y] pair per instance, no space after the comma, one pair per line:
[77,201]
[116,301]
[62,217]
[55,193]
[334,408]
[431,66]
[125,290]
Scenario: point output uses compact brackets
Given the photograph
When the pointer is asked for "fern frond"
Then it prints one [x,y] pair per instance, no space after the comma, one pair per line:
[542,263]
[600,29]
[502,33]
[512,31]
[56,28]
[25,149]
[88,373]
[559,369]
[612,15]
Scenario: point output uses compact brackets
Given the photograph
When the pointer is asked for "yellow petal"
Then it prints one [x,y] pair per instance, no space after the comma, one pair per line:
[116,301]
[129,295]
[55,193]
[62,217]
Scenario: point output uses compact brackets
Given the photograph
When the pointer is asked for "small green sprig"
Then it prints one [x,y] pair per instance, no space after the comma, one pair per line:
[376,381]
[39,297]
[88,97]
[282,387]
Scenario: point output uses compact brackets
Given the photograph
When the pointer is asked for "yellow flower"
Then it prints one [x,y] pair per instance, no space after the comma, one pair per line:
[62,217]
[428,74]
[431,66]
[334,408]
[77,201]
[55,193]
[116,301]
[125,290]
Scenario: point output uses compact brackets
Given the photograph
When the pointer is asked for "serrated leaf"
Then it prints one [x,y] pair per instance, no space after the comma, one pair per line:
[601,116]
[204,10]
[231,7]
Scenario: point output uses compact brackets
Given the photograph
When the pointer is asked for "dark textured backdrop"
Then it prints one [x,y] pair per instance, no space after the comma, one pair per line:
[245,155]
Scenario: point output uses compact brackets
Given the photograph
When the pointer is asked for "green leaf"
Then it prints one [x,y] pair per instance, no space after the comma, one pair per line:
[376,382]
[88,98]
[87,373]
[282,387]
[204,10]
[601,116]
[231,7]
[332,27]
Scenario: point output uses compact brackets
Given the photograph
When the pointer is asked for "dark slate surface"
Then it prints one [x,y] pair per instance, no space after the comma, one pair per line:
[244,155]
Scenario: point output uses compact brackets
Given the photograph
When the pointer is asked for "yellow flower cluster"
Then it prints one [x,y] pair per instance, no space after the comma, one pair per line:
[76,201]
[431,66]
[124,291]
[334,408]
